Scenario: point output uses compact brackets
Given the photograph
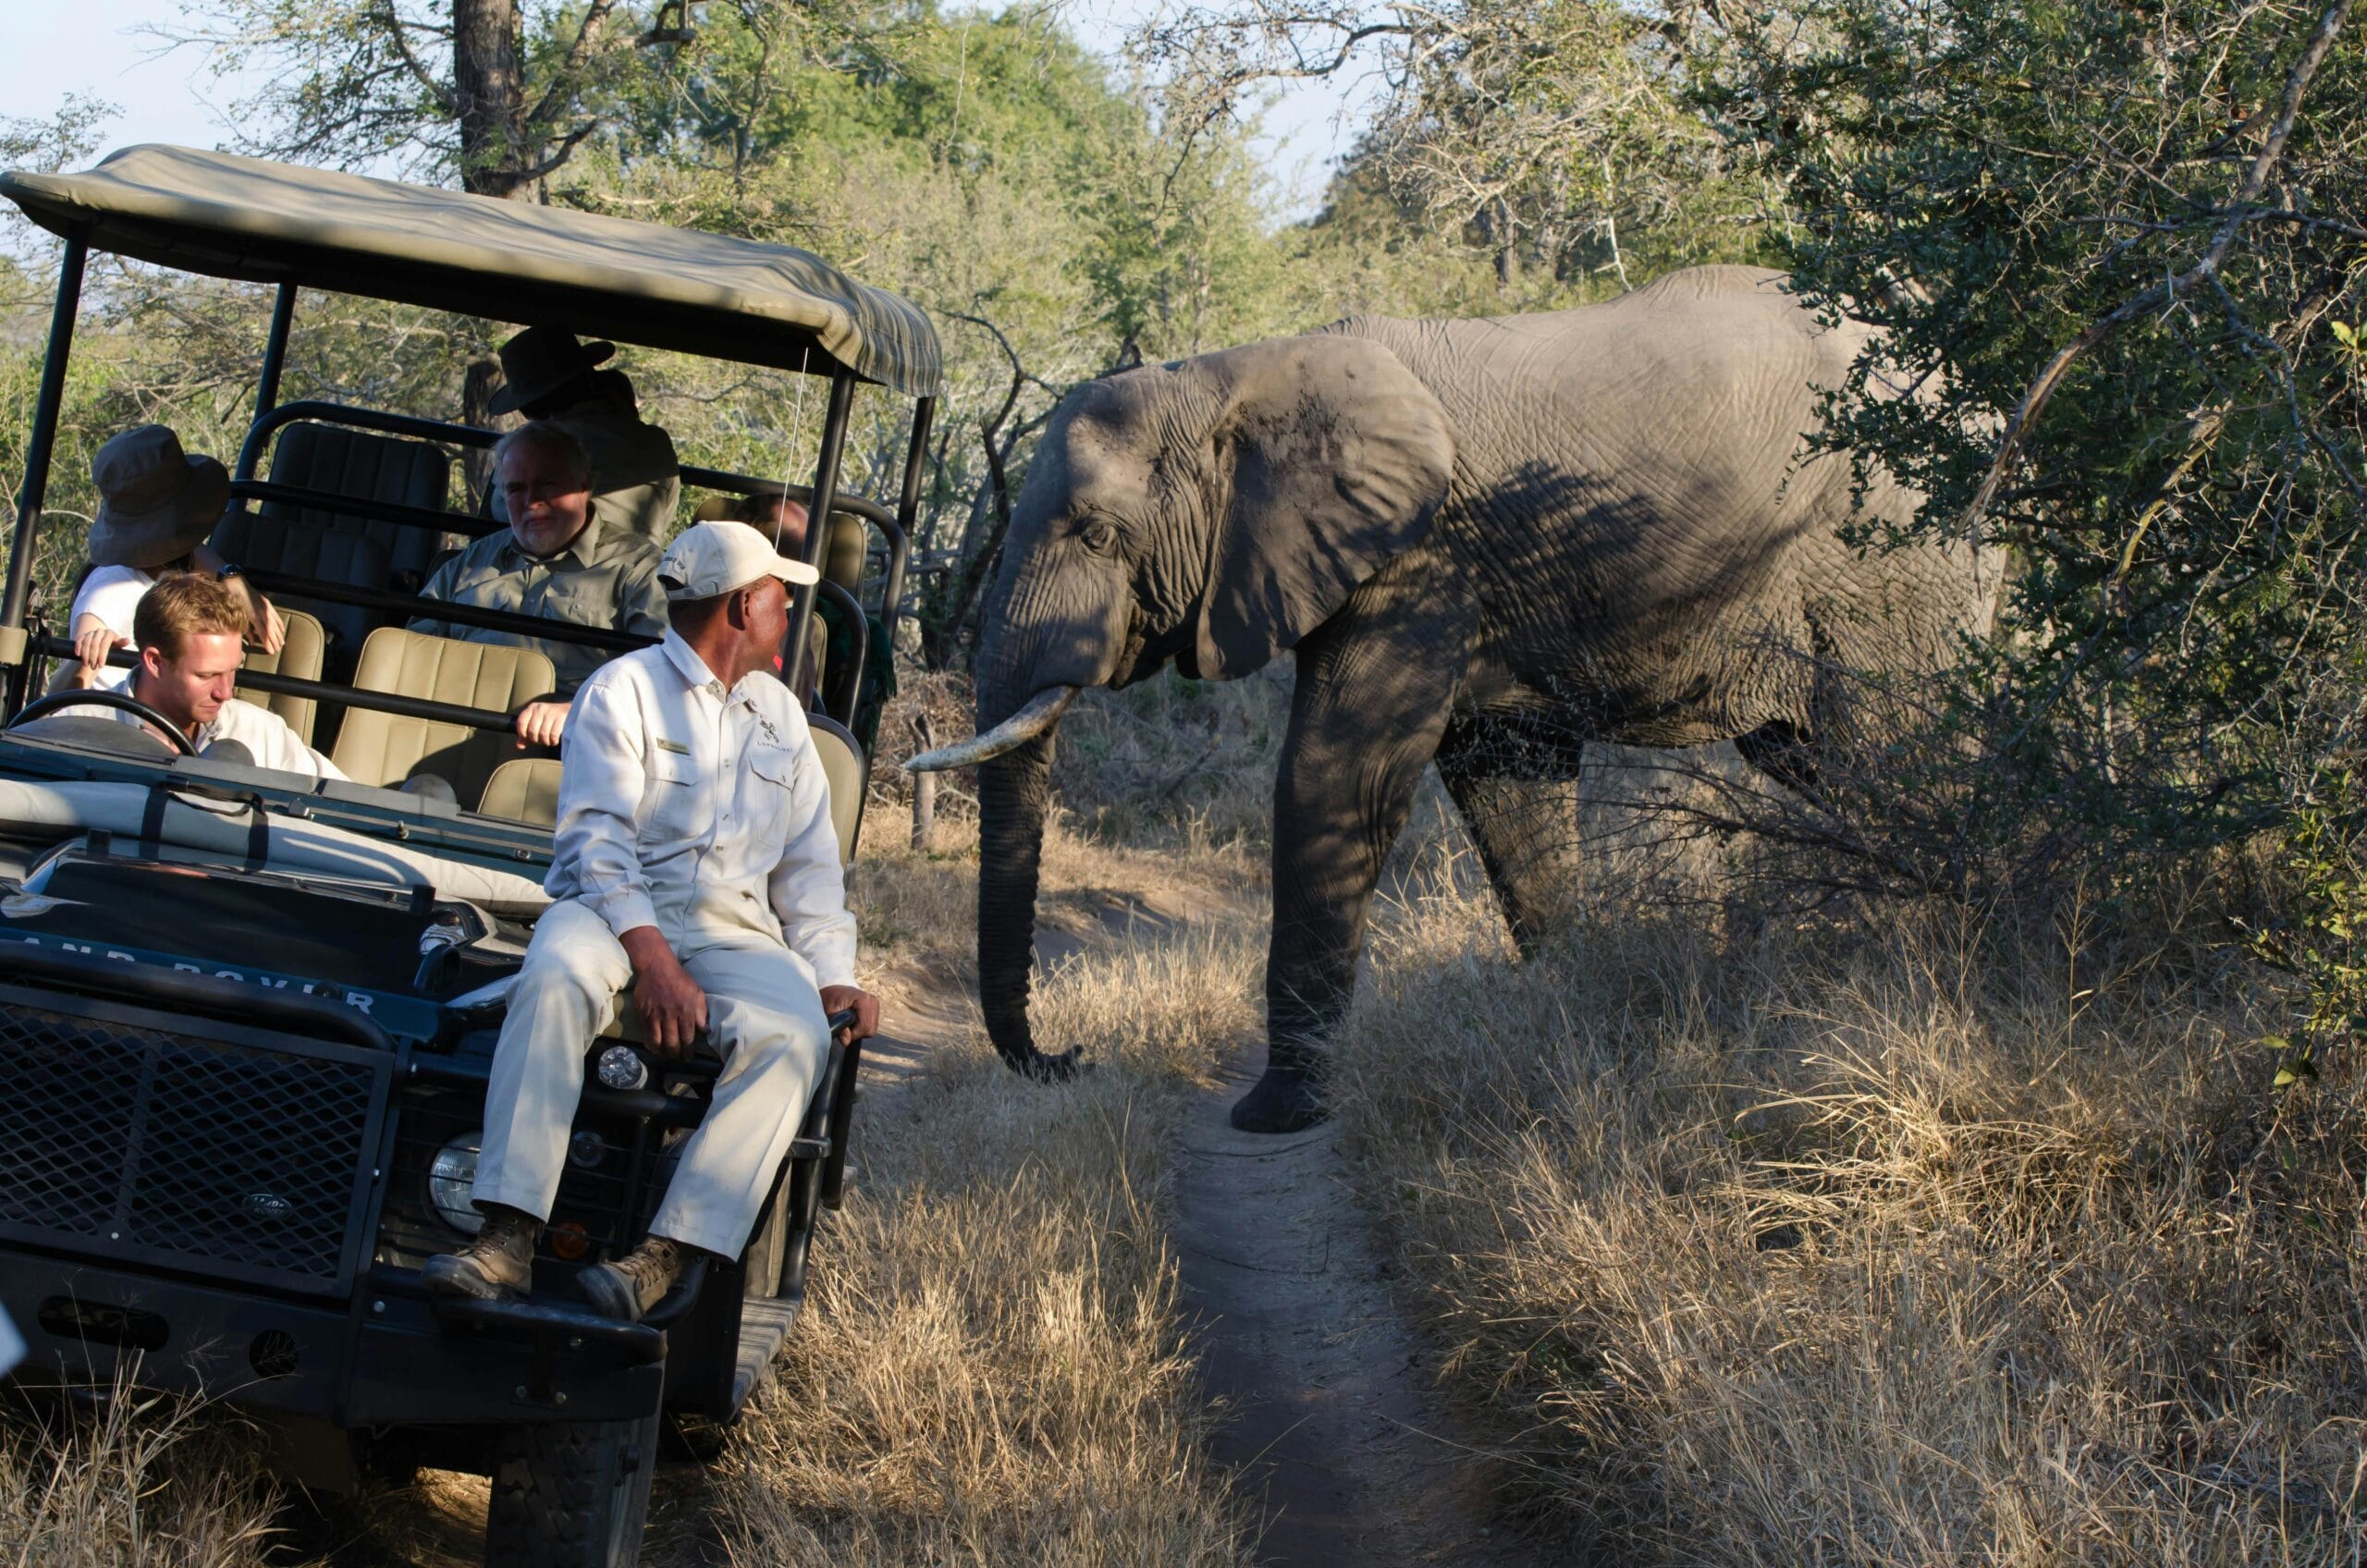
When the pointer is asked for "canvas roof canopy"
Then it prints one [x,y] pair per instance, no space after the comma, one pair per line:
[227,217]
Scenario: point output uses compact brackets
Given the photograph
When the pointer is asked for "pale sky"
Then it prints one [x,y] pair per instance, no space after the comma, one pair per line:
[49,49]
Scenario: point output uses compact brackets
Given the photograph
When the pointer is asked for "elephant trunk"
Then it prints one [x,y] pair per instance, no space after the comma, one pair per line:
[1014,794]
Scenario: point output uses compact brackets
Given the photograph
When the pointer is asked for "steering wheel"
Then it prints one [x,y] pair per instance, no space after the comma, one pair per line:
[58,701]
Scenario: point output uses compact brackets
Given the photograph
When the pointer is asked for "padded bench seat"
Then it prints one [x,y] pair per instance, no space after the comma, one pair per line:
[374,747]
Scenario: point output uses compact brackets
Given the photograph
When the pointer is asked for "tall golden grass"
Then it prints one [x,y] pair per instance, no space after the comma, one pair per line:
[132,1481]
[992,1368]
[1929,1239]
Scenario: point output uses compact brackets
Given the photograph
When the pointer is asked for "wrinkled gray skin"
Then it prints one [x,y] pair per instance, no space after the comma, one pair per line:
[1488,541]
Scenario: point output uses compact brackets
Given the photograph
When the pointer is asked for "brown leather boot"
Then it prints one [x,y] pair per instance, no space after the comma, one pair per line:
[497,1266]
[635,1283]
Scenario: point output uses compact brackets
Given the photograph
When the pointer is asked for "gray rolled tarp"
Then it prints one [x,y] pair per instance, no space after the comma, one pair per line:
[47,813]
[224,216]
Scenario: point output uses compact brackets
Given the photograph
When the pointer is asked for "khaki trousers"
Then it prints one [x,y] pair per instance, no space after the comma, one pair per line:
[764,1015]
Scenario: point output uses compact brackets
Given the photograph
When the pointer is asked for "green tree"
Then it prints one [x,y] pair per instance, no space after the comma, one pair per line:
[2119,250]
[1560,139]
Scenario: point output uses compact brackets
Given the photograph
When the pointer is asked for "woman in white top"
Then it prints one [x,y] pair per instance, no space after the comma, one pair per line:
[156,505]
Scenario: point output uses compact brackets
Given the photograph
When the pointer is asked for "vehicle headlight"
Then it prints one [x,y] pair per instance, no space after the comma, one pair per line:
[449,1177]
[621,1068]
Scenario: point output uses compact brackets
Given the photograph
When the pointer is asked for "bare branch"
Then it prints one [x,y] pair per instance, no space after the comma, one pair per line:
[2033,402]
[565,74]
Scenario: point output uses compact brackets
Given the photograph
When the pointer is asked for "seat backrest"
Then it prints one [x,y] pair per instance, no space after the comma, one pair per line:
[523,789]
[386,749]
[300,655]
[336,546]
[842,765]
[843,559]
[526,789]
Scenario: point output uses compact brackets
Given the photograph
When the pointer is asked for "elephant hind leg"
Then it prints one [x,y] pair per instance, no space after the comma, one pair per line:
[1784,750]
[1527,828]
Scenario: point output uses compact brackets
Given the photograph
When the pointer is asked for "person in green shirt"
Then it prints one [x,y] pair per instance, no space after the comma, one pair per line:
[554,559]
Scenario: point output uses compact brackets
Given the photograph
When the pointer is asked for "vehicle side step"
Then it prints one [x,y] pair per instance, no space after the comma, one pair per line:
[765,1323]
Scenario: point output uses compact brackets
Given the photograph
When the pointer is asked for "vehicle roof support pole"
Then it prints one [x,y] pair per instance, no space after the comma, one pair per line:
[45,432]
[908,514]
[826,496]
[274,353]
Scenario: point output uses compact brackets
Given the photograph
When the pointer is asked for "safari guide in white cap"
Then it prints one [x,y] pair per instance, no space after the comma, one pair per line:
[697,862]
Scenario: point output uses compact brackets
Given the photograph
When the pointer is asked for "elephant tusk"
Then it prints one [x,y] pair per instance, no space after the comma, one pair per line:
[1038,715]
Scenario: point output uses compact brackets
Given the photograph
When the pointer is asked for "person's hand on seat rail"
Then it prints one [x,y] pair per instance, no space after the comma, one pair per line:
[540,724]
[838,998]
[93,642]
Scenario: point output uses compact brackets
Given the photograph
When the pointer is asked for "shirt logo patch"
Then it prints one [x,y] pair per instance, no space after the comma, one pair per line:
[676,747]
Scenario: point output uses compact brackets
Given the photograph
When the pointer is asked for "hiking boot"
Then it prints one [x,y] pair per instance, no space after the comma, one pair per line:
[635,1283]
[497,1266]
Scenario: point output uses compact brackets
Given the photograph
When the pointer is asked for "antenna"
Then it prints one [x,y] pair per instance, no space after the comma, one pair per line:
[796,423]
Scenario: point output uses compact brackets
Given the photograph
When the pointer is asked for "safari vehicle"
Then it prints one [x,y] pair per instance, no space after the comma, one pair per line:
[246,1019]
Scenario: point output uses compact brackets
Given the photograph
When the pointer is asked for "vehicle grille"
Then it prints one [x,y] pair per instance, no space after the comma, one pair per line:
[242,1157]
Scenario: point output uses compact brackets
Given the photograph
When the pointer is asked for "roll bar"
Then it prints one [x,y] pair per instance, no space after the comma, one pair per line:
[271,415]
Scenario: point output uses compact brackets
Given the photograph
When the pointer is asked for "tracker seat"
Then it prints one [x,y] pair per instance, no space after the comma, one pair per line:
[526,789]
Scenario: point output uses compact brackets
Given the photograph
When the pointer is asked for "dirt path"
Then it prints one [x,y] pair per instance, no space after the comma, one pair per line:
[1330,1420]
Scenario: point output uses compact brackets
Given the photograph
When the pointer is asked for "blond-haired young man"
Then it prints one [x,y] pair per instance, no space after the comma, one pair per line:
[188,628]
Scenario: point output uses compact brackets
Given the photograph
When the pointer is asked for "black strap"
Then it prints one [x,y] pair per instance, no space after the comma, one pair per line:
[152,822]
[151,827]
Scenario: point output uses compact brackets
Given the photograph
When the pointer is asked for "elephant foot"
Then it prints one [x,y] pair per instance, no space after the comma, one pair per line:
[1048,1069]
[1286,1100]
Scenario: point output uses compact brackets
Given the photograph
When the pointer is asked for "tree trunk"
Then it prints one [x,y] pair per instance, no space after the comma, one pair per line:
[495,158]
[924,790]
[491,87]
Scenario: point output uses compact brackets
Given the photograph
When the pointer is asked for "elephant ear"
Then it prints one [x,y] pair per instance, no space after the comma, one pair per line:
[1338,460]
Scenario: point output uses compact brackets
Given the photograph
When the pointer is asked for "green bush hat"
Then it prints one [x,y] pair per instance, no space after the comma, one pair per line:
[539,361]
[156,503]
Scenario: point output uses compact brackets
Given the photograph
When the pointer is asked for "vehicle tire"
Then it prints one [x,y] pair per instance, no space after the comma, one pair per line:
[571,1494]
[693,1439]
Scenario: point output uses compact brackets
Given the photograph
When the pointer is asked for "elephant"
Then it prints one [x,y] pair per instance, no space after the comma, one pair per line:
[1486,542]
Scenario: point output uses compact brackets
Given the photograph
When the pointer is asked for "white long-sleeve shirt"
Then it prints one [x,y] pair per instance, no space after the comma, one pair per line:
[701,812]
[263,733]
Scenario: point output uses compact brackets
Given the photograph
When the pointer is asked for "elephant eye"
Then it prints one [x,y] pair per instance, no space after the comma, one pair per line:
[1100,536]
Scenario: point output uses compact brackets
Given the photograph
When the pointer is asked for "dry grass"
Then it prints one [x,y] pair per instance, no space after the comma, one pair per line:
[992,1369]
[1934,1242]
[131,1482]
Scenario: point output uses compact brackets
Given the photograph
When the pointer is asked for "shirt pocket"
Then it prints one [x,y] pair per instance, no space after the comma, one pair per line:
[771,792]
[669,798]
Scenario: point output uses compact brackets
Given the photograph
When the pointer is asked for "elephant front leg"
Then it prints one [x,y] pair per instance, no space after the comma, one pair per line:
[1362,729]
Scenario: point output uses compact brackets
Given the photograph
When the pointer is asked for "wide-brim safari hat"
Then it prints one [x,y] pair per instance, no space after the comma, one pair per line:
[156,503]
[539,361]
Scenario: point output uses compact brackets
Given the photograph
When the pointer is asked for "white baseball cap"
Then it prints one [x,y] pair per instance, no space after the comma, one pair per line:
[707,559]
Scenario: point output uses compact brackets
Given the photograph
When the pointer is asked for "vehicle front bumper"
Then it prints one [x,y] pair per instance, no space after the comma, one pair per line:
[381,1359]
